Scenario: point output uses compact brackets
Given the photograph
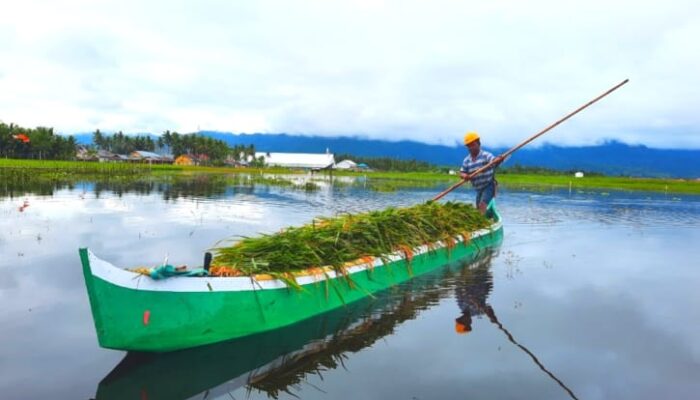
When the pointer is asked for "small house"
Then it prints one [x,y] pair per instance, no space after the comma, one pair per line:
[86,154]
[183,159]
[346,165]
[105,156]
[145,156]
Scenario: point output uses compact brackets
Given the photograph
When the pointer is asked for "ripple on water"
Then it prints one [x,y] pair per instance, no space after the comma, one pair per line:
[624,209]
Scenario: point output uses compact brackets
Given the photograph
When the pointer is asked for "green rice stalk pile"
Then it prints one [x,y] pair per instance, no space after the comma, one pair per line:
[335,241]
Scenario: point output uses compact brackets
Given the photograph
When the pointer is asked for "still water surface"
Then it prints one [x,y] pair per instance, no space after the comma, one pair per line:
[591,296]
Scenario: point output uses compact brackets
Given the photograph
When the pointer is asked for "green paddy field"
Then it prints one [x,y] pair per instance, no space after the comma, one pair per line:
[13,170]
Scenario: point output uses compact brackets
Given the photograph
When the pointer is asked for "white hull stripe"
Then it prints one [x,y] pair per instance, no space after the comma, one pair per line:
[131,280]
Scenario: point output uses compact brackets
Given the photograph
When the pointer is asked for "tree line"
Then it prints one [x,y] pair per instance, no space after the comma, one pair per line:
[42,143]
[193,144]
[389,164]
[518,169]
[119,143]
[216,151]
[39,143]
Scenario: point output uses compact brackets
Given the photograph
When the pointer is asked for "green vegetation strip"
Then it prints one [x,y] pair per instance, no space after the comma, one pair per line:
[380,181]
[601,182]
[107,168]
[336,241]
[71,167]
[390,181]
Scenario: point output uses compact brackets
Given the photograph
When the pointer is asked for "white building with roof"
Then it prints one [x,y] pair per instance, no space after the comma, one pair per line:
[298,160]
[346,164]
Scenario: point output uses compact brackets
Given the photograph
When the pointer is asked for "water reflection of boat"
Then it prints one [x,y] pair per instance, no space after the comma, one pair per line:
[275,361]
[132,312]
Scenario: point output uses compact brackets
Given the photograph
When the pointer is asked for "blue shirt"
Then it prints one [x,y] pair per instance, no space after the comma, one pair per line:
[469,166]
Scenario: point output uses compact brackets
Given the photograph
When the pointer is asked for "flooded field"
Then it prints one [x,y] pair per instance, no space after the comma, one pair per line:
[591,296]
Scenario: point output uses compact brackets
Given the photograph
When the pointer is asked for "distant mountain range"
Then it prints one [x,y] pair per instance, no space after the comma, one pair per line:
[612,158]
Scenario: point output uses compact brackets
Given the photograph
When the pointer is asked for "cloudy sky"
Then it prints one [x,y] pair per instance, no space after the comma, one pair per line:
[420,70]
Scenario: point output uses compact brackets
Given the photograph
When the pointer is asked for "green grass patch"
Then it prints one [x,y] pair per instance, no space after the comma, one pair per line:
[71,167]
[379,181]
[680,186]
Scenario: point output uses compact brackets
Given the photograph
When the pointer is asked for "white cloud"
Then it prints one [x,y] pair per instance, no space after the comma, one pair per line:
[395,70]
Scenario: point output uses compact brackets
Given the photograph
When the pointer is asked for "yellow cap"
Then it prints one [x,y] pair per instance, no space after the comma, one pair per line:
[470,137]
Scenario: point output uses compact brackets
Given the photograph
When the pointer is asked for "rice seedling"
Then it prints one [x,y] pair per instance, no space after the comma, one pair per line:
[333,242]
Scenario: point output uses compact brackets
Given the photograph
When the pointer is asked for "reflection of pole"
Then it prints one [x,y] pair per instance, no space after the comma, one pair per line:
[492,317]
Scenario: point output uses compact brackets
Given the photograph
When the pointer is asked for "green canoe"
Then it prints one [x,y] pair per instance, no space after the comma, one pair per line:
[134,312]
[275,362]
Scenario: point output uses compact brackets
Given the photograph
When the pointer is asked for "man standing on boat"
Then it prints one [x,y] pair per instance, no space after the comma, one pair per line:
[484,183]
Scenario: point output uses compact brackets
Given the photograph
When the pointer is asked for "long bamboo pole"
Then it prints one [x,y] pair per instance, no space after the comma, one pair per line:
[530,139]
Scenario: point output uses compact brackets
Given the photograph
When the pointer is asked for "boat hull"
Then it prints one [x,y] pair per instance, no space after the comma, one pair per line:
[134,312]
[257,361]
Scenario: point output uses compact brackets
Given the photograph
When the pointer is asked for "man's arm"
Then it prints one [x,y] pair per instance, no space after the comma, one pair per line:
[463,170]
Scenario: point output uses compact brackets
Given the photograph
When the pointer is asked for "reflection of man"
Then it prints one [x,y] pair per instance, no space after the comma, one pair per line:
[472,290]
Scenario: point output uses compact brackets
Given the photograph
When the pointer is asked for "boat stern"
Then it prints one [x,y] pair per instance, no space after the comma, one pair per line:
[95,306]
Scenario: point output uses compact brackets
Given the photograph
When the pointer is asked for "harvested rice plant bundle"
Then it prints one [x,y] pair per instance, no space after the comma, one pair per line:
[335,241]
